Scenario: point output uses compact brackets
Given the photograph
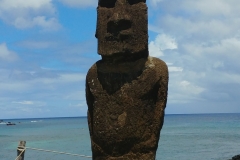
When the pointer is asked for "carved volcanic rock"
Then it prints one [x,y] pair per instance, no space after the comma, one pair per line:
[121,27]
[126,108]
[126,91]
[237,157]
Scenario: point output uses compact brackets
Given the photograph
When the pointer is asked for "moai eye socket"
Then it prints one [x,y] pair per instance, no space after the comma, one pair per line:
[131,2]
[107,3]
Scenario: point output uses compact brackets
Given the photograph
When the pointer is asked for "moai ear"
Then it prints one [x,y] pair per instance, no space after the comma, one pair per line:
[96,34]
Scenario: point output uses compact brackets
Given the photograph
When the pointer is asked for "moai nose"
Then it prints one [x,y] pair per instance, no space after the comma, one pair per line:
[120,20]
[115,27]
[120,3]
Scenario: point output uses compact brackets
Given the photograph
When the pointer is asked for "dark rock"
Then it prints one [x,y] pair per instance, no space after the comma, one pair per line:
[126,91]
[10,124]
[237,157]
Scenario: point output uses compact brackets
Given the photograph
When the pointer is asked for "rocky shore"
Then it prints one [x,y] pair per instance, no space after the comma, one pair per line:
[237,157]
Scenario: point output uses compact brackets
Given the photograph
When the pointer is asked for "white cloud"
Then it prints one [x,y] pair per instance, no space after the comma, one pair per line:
[162,42]
[17,87]
[20,81]
[154,50]
[43,89]
[218,64]
[205,64]
[218,54]
[184,94]
[172,68]
[175,69]
[40,21]
[72,77]
[38,44]
[210,8]
[81,105]
[80,3]
[6,54]
[77,95]
[24,102]
[154,3]
[154,28]
[29,13]
[199,20]
[36,4]
[190,88]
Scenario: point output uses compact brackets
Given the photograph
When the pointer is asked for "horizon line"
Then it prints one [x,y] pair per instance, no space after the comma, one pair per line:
[86,116]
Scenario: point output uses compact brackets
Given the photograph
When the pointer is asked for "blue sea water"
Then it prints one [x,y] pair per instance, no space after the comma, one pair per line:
[183,137]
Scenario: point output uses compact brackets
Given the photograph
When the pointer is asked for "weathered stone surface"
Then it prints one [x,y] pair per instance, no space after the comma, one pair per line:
[122,27]
[237,157]
[126,91]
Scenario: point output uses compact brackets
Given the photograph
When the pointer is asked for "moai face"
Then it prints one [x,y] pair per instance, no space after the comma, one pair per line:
[122,27]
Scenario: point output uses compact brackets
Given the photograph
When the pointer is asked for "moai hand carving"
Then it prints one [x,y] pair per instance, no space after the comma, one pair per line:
[126,90]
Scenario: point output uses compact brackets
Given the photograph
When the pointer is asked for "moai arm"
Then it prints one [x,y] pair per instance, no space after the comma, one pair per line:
[162,94]
[89,99]
[156,117]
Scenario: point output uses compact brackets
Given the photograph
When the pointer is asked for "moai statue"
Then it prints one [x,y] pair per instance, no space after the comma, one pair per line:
[126,90]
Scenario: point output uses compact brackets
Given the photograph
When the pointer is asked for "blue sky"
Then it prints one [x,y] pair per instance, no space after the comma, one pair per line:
[47,46]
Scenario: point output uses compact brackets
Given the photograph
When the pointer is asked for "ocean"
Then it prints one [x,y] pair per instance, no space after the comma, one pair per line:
[183,137]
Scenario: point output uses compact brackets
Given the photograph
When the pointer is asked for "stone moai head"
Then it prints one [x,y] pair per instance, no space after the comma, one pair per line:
[122,27]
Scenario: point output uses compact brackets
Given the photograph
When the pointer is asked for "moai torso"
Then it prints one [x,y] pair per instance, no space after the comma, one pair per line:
[126,91]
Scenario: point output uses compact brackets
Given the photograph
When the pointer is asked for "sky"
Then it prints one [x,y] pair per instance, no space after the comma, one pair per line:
[47,47]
